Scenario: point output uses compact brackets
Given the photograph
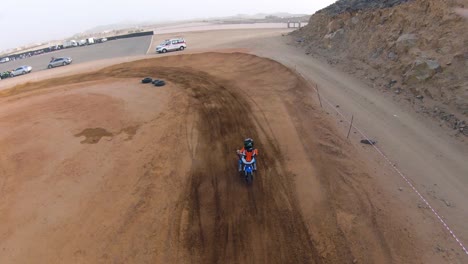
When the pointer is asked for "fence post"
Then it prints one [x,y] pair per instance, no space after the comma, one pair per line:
[350,126]
[318,93]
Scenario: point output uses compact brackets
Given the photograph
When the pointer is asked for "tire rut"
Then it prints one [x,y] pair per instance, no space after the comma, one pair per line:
[228,221]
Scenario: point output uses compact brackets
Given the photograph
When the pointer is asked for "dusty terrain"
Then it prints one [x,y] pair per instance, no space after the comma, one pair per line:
[108,169]
[94,169]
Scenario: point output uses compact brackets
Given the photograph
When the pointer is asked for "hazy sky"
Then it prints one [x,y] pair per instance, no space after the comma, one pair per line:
[28,21]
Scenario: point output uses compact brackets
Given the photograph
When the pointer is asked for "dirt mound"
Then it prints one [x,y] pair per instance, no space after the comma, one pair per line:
[416,51]
[159,184]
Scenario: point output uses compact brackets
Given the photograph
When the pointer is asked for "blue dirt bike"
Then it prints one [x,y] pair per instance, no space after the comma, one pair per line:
[248,170]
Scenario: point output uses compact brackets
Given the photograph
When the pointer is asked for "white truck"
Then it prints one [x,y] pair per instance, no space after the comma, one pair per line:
[70,44]
[90,41]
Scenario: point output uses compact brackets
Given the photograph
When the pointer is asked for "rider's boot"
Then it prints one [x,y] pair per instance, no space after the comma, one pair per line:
[240,166]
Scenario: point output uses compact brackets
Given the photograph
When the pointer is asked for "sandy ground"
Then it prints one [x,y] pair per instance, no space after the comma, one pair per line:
[200,40]
[99,168]
[135,173]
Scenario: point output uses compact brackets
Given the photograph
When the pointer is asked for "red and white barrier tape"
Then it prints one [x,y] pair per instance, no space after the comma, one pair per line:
[400,173]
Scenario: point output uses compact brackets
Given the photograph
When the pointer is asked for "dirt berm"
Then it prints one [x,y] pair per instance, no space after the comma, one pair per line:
[99,168]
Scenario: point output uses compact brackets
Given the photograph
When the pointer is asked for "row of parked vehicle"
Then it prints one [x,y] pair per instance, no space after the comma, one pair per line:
[168,45]
[66,44]
[54,62]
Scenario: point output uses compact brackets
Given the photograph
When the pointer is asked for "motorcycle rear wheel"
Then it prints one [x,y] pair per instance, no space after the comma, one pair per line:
[249,178]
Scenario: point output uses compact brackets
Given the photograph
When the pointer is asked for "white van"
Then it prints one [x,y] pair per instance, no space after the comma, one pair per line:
[171,44]
[70,43]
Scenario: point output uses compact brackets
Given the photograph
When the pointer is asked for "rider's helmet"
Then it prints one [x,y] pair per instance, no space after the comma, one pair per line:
[248,144]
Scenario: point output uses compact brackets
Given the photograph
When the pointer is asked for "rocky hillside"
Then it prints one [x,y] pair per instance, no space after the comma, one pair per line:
[417,49]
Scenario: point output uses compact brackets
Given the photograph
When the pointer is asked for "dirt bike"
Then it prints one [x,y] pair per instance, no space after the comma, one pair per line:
[248,170]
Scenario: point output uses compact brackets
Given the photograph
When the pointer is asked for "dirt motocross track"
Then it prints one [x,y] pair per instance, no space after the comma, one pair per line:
[101,168]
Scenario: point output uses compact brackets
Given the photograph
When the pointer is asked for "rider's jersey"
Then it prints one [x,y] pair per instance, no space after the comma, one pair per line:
[249,155]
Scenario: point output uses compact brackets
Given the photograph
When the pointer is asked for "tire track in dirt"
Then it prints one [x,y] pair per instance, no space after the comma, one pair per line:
[309,203]
[229,222]
[220,219]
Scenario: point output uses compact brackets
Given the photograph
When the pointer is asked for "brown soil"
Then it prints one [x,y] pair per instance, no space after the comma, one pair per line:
[159,184]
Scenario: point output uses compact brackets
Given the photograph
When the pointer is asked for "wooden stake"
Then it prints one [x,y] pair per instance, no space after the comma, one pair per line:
[350,126]
[320,100]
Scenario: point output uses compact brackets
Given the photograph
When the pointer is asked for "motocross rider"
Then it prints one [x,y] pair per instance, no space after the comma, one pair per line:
[249,152]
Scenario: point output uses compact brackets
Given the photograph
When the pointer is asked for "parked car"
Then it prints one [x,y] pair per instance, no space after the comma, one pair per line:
[20,71]
[59,62]
[171,45]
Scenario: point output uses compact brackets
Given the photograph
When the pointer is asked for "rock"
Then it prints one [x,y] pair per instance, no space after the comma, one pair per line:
[440,249]
[391,83]
[376,53]
[355,20]
[447,203]
[368,142]
[400,189]
[407,37]
[406,41]
[422,70]
[422,206]
[335,25]
[354,261]
[333,34]
[420,97]
[398,90]
[461,101]
[392,56]
[433,65]
[465,132]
